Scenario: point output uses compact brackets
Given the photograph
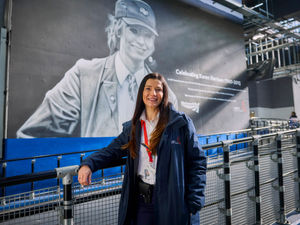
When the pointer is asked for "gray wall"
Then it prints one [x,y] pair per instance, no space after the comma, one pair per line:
[273,98]
[271,93]
[296,93]
[46,43]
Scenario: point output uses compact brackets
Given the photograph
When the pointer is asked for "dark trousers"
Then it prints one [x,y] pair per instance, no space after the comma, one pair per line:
[144,213]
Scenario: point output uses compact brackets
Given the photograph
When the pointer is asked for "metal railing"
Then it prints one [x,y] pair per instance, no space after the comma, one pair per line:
[34,159]
[259,187]
[62,202]
[216,137]
[253,162]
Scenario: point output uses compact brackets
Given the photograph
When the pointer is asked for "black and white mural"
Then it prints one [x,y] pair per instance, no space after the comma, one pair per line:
[75,66]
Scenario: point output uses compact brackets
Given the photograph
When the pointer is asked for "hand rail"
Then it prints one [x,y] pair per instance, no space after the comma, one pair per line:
[45,156]
[22,179]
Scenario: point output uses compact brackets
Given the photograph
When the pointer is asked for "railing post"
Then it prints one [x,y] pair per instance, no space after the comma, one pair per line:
[226,161]
[218,149]
[3,175]
[81,157]
[58,180]
[32,171]
[236,146]
[281,188]
[258,219]
[67,201]
[271,127]
[298,164]
[253,125]
[226,176]
[67,173]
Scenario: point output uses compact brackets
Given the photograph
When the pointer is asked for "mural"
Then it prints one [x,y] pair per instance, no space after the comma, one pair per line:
[75,66]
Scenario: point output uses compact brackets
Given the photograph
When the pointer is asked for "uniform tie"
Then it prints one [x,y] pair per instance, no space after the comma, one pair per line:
[132,87]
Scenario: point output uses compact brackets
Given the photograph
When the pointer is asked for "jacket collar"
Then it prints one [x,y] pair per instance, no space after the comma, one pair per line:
[176,118]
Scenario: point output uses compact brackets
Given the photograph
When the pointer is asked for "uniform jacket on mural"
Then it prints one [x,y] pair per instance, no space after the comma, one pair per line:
[86,96]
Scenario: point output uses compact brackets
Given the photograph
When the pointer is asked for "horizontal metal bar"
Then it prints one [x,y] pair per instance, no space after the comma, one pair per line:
[21,179]
[247,139]
[45,156]
[221,144]
[228,132]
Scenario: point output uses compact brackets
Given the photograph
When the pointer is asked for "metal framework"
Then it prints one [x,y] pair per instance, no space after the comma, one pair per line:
[259,186]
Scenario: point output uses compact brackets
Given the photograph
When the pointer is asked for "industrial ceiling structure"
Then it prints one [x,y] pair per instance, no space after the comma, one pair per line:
[271,32]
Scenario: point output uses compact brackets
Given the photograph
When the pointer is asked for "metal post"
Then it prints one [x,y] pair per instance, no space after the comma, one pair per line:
[67,174]
[261,50]
[278,54]
[3,64]
[58,166]
[81,157]
[250,51]
[236,146]
[289,54]
[32,171]
[283,52]
[253,125]
[68,202]
[3,175]
[226,176]
[272,45]
[207,139]
[267,53]
[281,188]
[294,54]
[218,149]
[298,163]
[258,219]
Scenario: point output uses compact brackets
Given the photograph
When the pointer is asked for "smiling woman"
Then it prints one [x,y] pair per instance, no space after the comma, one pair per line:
[136,45]
[152,97]
[165,165]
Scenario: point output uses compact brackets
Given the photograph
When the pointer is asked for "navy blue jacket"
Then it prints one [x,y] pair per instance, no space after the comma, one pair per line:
[180,173]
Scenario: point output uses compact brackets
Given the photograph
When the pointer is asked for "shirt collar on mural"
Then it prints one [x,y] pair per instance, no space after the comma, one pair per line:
[122,71]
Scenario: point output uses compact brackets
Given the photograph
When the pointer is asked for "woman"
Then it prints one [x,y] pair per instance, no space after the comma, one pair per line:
[293,115]
[165,177]
[293,121]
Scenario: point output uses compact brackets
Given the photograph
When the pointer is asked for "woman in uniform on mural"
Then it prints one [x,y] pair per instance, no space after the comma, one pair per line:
[96,96]
[165,172]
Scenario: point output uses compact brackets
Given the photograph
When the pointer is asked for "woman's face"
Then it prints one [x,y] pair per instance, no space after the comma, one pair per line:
[153,93]
[136,42]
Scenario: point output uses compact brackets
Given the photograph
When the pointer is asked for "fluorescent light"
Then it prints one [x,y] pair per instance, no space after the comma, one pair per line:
[257,36]
[258,5]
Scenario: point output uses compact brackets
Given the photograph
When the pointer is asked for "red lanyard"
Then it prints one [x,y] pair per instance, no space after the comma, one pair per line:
[143,124]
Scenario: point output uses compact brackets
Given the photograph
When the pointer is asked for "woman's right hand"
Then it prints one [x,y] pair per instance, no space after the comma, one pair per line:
[85,175]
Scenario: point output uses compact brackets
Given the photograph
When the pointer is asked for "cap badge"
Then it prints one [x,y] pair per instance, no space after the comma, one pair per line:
[123,5]
[144,11]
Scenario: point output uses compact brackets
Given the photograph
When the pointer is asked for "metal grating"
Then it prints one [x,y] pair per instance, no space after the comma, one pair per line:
[99,202]
[38,207]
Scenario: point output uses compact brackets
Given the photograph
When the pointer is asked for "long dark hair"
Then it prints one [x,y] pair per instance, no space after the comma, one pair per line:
[140,107]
